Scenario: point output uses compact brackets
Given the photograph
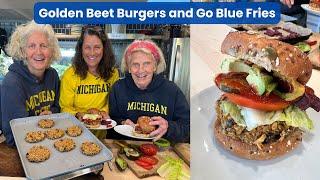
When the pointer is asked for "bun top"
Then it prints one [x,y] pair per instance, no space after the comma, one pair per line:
[273,55]
[143,122]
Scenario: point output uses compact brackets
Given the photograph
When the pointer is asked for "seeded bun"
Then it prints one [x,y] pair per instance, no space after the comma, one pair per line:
[143,123]
[285,59]
[251,151]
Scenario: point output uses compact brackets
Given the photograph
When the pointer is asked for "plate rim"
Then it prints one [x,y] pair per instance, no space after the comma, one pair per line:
[209,148]
[128,135]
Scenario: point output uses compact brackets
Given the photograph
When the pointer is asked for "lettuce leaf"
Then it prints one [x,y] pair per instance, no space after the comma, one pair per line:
[297,118]
[252,118]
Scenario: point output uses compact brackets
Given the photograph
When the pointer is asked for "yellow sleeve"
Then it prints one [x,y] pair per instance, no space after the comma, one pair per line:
[67,91]
[114,78]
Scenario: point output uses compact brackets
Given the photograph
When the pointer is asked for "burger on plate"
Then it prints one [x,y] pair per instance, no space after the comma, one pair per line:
[261,114]
[143,128]
[92,119]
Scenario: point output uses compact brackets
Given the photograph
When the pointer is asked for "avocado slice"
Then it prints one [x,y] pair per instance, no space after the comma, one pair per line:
[298,91]
[304,47]
[121,164]
[131,153]
[234,65]
[260,82]
[162,143]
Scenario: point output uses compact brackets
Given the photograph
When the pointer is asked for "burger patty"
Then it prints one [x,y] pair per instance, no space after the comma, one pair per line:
[260,135]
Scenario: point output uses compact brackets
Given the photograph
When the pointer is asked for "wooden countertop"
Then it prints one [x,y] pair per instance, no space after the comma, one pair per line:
[127,174]
[10,165]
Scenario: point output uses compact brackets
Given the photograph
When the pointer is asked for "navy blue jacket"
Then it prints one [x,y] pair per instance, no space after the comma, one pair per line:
[161,98]
[23,95]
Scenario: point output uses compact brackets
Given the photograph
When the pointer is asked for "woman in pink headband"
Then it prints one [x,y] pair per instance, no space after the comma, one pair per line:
[145,92]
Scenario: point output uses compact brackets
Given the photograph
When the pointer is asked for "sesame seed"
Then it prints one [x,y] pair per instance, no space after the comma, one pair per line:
[289,143]
[270,147]
[287,59]
[290,55]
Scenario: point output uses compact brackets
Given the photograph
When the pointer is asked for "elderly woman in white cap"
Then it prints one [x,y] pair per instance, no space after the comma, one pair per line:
[31,87]
[145,92]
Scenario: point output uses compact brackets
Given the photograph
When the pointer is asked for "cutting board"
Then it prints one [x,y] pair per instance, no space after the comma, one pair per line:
[183,151]
[138,171]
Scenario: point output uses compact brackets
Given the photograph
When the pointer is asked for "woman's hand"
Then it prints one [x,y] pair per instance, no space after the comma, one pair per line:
[162,127]
[288,3]
[46,112]
[79,115]
[128,122]
[104,115]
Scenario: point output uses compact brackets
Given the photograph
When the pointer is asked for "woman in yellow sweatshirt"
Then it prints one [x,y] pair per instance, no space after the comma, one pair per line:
[87,83]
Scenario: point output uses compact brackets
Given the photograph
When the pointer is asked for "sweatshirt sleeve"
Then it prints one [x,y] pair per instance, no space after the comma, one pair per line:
[12,106]
[114,111]
[67,92]
[55,108]
[179,127]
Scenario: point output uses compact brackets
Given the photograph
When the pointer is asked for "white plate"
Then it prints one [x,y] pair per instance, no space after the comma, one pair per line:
[308,8]
[101,127]
[127,130]
[210,161]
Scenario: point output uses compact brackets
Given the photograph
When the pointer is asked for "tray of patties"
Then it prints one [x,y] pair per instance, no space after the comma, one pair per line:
[56,145]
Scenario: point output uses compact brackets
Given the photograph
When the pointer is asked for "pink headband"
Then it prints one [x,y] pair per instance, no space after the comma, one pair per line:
[146,45]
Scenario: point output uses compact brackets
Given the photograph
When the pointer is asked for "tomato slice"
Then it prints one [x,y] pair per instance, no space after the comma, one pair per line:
[149,160]
[271,103]
[143,164]
[241,93]
[149,149]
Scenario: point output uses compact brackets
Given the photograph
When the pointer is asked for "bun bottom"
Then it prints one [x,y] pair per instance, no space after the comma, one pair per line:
[251,151]
[92,126]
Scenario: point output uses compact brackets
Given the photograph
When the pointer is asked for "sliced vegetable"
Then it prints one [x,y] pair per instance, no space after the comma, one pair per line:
[149,149]
[172,170]
[135,147]
[143,164]
[162,143]
[131,153]
[149,160]
[121,164]
[266,103]
[304,47]
[246,95]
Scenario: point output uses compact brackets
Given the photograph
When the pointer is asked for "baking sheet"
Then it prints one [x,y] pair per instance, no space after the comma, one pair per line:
[59,163]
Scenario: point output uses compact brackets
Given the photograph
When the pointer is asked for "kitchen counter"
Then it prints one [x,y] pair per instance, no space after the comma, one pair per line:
[114,173]
[10,165]
[206,57]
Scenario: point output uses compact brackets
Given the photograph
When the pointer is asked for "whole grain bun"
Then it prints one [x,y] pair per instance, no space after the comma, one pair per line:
[271,54]
[143,122]
[251,151]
